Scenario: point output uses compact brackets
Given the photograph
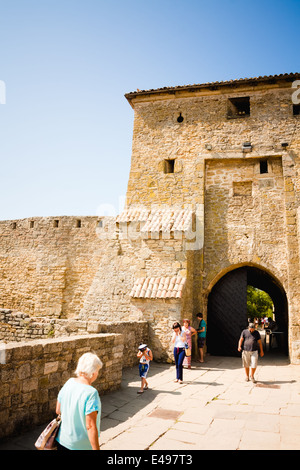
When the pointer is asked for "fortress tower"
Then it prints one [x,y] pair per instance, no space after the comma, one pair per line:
[228,154]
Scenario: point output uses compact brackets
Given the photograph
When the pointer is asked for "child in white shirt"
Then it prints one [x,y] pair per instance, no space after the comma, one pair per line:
[145,355]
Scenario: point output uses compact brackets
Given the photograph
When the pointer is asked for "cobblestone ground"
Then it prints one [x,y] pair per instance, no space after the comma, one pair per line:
[214,409]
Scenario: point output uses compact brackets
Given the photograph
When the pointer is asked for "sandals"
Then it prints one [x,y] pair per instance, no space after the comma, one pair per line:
[142,391]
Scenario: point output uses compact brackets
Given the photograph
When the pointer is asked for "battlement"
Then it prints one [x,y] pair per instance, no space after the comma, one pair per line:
[48,223]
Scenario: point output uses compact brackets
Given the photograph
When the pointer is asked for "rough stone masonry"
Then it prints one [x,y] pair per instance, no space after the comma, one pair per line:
[213,187]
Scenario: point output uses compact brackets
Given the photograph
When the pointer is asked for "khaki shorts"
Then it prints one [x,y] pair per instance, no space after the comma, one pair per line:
[250,359]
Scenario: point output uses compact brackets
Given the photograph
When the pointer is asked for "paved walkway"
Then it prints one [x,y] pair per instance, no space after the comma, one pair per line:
[213,409]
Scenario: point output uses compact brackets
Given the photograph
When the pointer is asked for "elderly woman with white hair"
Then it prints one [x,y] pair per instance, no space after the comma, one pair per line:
[79,405]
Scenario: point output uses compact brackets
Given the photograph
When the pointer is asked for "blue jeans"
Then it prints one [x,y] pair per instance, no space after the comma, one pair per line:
[179,355]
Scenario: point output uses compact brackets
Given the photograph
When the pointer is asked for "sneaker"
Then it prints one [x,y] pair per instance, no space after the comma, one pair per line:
[247,379]
[253,380]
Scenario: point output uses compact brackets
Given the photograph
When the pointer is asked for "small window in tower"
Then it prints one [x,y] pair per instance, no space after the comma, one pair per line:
[14,225]
[263,166]
[296,109]
[169,166]
[31,224]
[238,107]
[78,223]
[180,118]
[55,223]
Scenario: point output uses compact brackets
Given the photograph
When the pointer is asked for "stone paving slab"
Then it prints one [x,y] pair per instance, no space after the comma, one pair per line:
[214,409]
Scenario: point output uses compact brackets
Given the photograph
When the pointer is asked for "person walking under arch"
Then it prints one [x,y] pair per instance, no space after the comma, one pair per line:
[250,343]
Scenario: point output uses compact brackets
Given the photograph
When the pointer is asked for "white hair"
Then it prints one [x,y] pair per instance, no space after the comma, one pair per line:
[88,363]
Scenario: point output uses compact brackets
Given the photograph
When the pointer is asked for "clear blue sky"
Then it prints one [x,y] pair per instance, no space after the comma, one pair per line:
[66,128]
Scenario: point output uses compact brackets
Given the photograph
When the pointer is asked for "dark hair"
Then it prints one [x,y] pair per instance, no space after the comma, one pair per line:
[176,325]
[199,315]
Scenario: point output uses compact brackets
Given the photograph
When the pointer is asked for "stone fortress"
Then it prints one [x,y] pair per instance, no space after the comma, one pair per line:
[212,206]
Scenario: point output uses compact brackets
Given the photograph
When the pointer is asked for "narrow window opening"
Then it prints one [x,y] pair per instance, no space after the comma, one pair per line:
[238,107]
[263,166]
[169,166]
[14,225]
[180,118]
[31,224]
[100,224]
[55,224]
[78,223]
[296,109]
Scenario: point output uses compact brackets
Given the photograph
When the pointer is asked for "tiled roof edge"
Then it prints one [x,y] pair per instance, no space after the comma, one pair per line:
[164,220]
[165,287]
[283,76]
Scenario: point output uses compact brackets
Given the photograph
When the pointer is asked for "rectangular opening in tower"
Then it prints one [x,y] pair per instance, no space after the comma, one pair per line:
[169,166]
[238,107]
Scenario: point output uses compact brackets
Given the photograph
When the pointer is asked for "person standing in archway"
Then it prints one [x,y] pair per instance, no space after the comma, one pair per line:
[201,336]
[189,331]
[250,343]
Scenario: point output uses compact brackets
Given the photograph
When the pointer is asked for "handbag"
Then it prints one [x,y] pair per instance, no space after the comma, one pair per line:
[46,440]
[188,351]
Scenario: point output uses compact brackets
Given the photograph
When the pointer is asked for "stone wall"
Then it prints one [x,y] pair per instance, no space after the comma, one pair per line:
[245,216]
[81,272]
[32,374]
[205,132]
[98,267]
[47,264]
[20,327]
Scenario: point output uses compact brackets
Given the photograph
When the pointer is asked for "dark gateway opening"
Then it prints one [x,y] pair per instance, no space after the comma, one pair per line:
[227,309]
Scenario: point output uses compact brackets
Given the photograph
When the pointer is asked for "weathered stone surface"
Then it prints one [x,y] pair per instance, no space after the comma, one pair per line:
[28,393]
[239,215]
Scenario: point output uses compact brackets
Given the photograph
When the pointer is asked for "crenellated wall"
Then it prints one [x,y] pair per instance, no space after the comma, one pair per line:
[58,268]
[47,264]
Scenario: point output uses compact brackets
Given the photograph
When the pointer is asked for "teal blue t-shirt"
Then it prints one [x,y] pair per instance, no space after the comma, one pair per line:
[76,401]
[202,324]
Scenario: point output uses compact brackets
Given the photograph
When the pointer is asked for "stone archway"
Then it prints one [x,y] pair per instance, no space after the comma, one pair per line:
[227,308]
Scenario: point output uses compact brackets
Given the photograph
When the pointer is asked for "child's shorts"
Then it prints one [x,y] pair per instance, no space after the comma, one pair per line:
[143,369]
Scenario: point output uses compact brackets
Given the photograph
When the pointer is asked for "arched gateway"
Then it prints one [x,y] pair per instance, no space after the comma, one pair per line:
[227,308]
